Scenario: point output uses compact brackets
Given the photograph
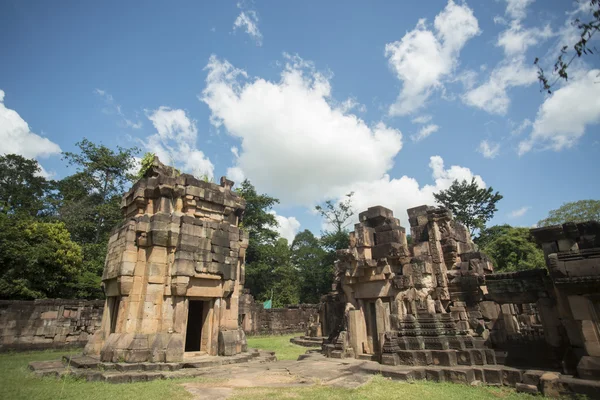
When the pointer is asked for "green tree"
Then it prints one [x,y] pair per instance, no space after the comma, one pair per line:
[103,173]
[471,205]
[258,221]
[337,214]
[587,28]
[89,202]
[273,273]
[37,259]
[265,253]
[510,248]
[22,187]
[575,211]
[308,257]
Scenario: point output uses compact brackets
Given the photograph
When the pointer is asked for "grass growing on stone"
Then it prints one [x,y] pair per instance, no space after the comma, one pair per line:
[384,389]
[17,382]
[284,350]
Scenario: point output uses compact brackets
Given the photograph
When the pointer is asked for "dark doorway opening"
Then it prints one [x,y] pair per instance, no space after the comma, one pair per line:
[372,335]
[113,310]
[193,335]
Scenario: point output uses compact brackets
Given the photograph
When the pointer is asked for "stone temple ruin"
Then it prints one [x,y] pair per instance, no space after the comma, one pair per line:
[174,271]
[437,303]
[410,305]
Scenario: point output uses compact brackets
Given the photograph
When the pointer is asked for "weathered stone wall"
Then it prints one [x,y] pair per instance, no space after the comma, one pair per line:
[47,324]
[255,320]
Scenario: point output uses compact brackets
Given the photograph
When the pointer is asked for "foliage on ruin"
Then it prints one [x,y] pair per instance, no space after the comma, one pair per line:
[145,164]
[470,204]
[574,211]
[586,29]
[510,248]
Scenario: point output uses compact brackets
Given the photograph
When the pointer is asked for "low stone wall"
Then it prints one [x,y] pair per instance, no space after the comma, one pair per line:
[255,320]
[48,324]
[292,319]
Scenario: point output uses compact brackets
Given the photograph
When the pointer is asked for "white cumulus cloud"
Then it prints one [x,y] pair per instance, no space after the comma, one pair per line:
[16,136]
[489,149]
[424,132]
[287,226]
[517,9]
[425,56]
[399,194]
[515,69]
[296,144]
[563,117]
[175,141]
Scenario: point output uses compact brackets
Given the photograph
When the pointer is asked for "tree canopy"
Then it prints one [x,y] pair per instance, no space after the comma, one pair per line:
[510,248]
[471,205]
[575,211]
[37,259]
[23,189]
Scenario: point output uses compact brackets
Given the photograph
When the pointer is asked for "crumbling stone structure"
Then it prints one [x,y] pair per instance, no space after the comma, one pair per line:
[412,305]
[437,302]
[572,253]
[174,271]
[48,323]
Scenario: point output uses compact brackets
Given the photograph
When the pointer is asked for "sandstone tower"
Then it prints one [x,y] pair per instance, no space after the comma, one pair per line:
[173,272]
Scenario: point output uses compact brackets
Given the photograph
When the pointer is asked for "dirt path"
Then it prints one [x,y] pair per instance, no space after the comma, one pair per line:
[310,371]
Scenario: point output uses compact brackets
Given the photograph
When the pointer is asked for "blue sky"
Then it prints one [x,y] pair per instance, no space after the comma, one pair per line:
[311,100]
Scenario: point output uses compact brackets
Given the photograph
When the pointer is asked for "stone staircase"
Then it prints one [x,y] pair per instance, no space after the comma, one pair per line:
[308,341]
[92,369]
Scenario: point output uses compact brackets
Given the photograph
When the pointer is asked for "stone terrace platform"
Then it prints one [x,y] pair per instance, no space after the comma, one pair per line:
[253,369]
[92,369]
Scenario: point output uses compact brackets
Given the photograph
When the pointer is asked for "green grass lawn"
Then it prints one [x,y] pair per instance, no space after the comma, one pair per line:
[385,389]
[284,350]
[17,382]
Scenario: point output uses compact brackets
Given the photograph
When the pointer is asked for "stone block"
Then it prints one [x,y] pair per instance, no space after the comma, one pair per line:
[550,384]
[589,368]
[492,376]
[446,358]
[390,359]
[525,388]
[415,358]
[227,343]
[464,376]
[532,377]
[580,308]
[489,310]
[435,375]
[510,377]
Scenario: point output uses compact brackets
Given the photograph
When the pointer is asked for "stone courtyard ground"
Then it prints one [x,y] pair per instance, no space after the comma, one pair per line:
[313,378]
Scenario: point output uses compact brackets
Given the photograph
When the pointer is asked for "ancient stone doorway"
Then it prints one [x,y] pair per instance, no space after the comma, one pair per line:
[113,310]
[197,311]
[372,334]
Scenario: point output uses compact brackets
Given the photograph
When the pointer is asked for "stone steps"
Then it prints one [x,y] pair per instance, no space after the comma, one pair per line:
[524,380]
[447,358]
[308,341]
[92,369]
